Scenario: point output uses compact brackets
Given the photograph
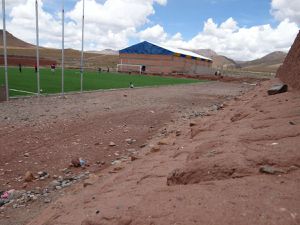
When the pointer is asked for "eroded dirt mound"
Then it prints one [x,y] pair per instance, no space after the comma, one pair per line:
[240,165]
[243,139]
[289,72]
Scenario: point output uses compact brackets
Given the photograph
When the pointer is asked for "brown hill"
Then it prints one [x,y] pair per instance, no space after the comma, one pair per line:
[289,72]
[13,41]
[268,63]
[218,60]
[21,52]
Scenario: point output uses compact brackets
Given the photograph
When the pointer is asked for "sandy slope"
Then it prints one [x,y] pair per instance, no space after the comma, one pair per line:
[210,174]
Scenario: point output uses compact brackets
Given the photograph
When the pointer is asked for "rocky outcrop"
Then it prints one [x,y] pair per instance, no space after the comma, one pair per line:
[289,72]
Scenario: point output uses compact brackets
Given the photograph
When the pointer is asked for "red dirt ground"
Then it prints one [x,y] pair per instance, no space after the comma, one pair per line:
[54,130]
[209,174]
[25,61]
[192,171]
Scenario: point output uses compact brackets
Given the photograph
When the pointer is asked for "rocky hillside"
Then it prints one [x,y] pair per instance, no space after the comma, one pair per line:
[289,72]
[269,62]
[13,41]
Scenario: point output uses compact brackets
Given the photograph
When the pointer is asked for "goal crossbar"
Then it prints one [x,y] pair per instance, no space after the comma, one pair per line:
[119,67]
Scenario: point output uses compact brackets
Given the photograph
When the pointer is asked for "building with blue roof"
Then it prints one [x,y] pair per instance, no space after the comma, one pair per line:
[147,57]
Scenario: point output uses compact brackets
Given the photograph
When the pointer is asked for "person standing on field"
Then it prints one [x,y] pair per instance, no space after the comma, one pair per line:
[20,67]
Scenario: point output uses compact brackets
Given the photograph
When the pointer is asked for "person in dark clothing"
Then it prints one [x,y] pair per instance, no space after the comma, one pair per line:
[20,67]
[35,68]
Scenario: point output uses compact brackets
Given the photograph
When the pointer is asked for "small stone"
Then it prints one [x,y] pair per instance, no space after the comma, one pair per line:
[292,123]
[193,124]
[47,200]
[29,176]
[97,143]
[93,178]
[270,170]
[75,162]
[97,212]
[178,133]
[58,187]
[155,149]
[130,141]
[112,144]
[26,154]
[143,145]
[53,184]
[163,142]
[133,158]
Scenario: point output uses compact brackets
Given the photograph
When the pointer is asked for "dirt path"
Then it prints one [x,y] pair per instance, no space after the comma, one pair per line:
[239,165]
[45,134]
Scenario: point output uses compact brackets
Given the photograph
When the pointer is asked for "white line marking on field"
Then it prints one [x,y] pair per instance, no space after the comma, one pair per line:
[28,92]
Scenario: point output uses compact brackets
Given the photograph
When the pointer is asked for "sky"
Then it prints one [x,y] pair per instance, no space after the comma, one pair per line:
[239,29]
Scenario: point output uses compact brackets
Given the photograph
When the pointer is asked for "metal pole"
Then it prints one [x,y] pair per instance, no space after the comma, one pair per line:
[5,51]
[82,45]
[37,48]
[62,48]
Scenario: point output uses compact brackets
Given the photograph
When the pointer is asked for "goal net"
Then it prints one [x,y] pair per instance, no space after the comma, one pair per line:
[129,68]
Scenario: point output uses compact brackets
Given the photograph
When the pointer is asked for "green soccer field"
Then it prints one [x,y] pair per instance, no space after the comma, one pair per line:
[25,83]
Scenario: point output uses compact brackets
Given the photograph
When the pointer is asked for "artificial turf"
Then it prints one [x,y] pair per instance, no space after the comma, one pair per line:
[51,82]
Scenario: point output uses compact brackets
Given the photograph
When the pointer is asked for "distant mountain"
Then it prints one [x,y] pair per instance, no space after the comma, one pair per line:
[205,52]
[105,52]
[269,62]
[218,60]
[13,41]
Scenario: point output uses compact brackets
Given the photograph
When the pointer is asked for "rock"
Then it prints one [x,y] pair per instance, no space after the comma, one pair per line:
[125,221]
[112,144]
[178,133]
[43,174]
[270,170]
[118,168]
[26,154]
[54,183]
[133,158]
[277,89]
[193,124]
[47,200]
[75,162]
[130,141]
[93,178]
[58,187]
[143,145]
[28,176]
[155,149]
[163,142]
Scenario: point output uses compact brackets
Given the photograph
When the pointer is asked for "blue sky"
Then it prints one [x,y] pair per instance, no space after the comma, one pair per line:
[188,16]
[240,29]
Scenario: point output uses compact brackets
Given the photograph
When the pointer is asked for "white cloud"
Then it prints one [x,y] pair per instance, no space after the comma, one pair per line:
[155,33]
[240,42]
[286,9]
[112,23]
[108,24]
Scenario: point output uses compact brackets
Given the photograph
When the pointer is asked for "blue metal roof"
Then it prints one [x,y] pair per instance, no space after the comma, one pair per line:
[146,48]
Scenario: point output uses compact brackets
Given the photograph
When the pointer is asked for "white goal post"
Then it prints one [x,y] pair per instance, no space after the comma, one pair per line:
[129,68]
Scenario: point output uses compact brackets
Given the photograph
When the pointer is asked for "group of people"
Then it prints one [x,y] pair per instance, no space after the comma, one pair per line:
[53,66]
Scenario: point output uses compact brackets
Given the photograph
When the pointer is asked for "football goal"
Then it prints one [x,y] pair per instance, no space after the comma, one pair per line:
[130,68]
